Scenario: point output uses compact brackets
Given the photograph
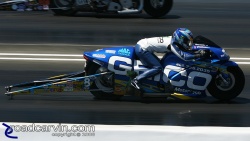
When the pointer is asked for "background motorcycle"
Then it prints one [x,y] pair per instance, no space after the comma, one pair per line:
[216,75]
[155,8]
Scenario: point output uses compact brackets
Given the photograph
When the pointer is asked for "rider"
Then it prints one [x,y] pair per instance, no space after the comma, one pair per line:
[180,43]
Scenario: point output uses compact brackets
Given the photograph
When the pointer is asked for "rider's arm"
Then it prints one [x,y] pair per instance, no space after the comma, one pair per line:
[182,54]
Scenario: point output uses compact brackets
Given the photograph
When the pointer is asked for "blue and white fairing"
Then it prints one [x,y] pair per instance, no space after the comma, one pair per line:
[189,78]
[119,60]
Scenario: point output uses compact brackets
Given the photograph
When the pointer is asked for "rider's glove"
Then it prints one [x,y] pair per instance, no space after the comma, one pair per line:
[203,54]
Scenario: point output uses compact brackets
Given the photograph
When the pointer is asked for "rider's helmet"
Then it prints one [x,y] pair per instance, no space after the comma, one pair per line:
[183,37]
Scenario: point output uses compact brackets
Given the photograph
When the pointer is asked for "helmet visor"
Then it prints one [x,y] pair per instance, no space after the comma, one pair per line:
[188,42]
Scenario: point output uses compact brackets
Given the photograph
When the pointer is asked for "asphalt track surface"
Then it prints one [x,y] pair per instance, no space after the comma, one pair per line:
[225,22]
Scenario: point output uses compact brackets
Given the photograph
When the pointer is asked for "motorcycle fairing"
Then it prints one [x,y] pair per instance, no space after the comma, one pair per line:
[123,65]
[187,77]
[190,78]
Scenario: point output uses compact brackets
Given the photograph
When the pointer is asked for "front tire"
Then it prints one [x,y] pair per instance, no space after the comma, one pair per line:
[223,92]
[155,10]
[65,5]
[102,82]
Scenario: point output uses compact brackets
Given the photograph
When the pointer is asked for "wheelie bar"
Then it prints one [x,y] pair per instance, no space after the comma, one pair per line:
[72,82]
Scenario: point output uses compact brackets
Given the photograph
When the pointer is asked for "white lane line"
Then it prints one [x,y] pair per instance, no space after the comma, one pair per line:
[77,55]
[70,55]
[95,45]
[73,60]
[76,45]
[234,58]
[42,59]
[243,63]
[51,55]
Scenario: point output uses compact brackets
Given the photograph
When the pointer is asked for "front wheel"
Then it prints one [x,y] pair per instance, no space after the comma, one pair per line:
[63,7]
[157,8]
[227,91]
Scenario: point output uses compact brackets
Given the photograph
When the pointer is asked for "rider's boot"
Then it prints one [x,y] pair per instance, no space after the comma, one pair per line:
[135,84]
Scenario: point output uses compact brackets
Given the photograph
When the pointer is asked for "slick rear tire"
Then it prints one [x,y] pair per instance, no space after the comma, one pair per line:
[160,11]
[93,68]
[56,4]
[227,93]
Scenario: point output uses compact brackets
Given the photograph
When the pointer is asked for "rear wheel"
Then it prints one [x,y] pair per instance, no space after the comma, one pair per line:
[157,8]
[227,91]
[63,7]
[103,84]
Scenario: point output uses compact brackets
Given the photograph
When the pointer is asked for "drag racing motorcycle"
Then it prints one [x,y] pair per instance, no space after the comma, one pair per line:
[155,8]
[109,71]
[216,75]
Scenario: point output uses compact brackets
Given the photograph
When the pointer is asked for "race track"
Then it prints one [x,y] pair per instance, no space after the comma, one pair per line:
[225,22]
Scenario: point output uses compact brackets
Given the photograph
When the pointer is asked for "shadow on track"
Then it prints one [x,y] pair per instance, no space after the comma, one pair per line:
[207,100]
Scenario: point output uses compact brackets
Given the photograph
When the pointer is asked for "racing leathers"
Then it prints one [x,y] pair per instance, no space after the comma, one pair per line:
[145,49]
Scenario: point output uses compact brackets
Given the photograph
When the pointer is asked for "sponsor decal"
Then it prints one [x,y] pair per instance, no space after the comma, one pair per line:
[110,51]
[187,91]
[195,68]
[99,55]
[124,51]
[180,65]
[205,47]
[118,89]
[187,79]
[200,69]
[68,87]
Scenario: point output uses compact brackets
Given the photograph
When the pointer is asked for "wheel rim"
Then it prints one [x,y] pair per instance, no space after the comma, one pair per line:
[157,3]
[220,84]
[104,82]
